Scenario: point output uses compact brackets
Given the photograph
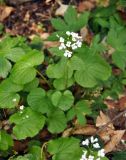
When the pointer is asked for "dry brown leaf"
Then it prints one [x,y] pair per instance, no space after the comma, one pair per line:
[103,120]
[86,5]
[5,11]
[122,103]
[86,130]
[86,35]
[67,132]
[49,44]
[115,139]
[105,135]
[61,10]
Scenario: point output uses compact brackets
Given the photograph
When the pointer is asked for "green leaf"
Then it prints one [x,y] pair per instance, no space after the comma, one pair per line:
[31,85]
[27,124]
[63,100]
[38,100]
[119,58]
[56,96]
[82,20]
[59,24]
[71,21]
[119,155]
[23,71]
[82,108]
[57,70]
[95,69]
[5,67]
[6,141]
[25,157]
[65,148]
[12,51]
[8,96]
[117,40]
[70,16]
[62,83]
[56,121]
[15,54]
[36,152]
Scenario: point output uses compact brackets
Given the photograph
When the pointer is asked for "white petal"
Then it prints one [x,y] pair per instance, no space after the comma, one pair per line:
[96,145]
[86,142]
[68,33]
[61,39]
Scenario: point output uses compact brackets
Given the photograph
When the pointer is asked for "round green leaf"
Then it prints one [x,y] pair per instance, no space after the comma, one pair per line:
[6,141]
[31,85]
[66,101]
[65,148]
[5,67]
[38,100]
[95,69]
[56,121]
[27,124]
[24,71]
[56,96]
[82,108]
[8,96]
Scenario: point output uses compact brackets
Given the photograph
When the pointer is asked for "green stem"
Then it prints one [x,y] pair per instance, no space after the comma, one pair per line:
[41,75]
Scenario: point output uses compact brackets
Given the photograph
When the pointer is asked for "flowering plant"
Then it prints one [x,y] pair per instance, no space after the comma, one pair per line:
[92,150]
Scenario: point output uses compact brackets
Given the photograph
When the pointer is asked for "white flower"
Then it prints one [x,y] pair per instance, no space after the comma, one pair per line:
[21,107]
[68,54]
[61,39]
[74,39]
[79,43]
[96,145]
[85,143]
[84,156]
[91,157]
[74,35]
[62,46]
[101,153]
[68,44]
[68,33]
[14,100]
[74,46]
[94,140]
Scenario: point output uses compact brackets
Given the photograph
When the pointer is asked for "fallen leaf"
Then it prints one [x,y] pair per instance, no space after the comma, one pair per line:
[115,139]
[122,103]
[102,120]
[86,35]
[5,11]
[49,44]
[67,132]
[86,130]
[86,5]
[61,10]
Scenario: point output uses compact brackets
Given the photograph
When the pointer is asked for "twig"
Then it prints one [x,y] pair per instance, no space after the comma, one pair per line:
[115,118]
[41,75]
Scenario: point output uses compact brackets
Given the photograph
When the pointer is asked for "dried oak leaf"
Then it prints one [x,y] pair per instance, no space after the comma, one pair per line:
[86,5]
[61,10]
[102,120]
[85,130]
[5,11]
[115,139]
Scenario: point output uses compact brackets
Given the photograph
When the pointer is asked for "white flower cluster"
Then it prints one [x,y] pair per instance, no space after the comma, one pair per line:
[94,142]
[72,42]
